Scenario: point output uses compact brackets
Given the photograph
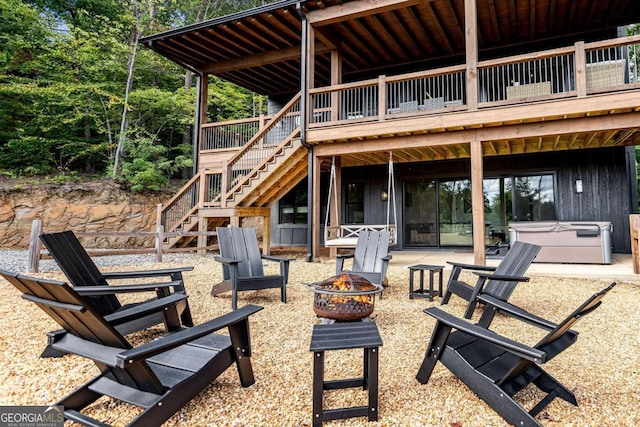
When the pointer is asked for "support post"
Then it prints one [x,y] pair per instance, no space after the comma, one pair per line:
[477,202]
[33,261]
[471,47]
[159,240]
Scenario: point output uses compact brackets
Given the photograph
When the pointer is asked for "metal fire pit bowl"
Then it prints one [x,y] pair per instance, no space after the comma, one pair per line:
[344,297]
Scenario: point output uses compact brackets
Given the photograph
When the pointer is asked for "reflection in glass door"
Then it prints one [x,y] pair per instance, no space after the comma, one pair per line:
[455,213]
[438,213]
[420,214]
[497,209]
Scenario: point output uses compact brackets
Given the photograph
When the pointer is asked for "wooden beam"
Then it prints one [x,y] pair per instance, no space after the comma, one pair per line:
[266,58]
[357,9]
[501,133]
[477,202]
[471,52]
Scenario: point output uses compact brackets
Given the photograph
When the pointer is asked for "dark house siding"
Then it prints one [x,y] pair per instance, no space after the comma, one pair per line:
[606,185]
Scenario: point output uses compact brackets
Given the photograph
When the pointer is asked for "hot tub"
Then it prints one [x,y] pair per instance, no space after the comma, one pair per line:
[579,242]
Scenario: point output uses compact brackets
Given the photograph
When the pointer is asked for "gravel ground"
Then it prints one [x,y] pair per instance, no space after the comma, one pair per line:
[602,369]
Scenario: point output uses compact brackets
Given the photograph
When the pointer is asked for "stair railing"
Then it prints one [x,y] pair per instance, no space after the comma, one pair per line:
[201,190]
[262,145]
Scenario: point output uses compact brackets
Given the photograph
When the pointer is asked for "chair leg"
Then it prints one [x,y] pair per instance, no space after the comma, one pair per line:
[185,316]
[470,309]
[434,350]
[283,292]
[239,334]
[452,277]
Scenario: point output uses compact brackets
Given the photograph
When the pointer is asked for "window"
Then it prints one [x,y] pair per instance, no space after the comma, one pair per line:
[293,206]
[354,203]
[533,198]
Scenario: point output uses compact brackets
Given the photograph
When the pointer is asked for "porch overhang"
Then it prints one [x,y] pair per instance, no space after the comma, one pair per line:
[259,49]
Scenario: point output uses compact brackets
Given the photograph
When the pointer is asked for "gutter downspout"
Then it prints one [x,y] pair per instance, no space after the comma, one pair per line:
[196,124]
[304,92]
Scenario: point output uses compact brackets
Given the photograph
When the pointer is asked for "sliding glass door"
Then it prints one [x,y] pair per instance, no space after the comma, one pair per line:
[420,214]
[455,213]
[438,212]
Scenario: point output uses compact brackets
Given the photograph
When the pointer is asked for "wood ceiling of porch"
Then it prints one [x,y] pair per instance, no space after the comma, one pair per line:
[495,148]
[259,49]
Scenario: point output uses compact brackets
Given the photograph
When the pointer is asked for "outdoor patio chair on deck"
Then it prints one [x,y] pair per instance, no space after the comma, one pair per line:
[370,258]
[496,367]
[93,285]
[499,284]
[242,268]
[161,376]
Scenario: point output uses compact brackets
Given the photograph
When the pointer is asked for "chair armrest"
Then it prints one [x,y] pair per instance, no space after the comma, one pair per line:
[489,276]
[144,309]
[123,289]
[284,265]
[145,273]
[277,259]
[227,261]
[507,344]
[184,336]
[516,312]
[471,266]
[69,343]
[340,258]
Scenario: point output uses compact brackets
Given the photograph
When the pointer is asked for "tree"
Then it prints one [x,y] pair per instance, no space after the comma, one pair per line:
[70,70]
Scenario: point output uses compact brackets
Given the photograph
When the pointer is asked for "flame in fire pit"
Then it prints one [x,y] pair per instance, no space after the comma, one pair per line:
[344,297]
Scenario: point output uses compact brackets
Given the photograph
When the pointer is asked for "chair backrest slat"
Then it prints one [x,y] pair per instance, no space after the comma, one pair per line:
[241,243]
[65,248]
[372,246]
[515,263]
[585,308]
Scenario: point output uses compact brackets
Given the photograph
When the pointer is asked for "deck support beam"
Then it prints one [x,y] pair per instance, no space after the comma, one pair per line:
[477,202]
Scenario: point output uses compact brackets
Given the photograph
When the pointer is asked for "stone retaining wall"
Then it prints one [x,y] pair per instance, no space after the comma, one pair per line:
[86,207]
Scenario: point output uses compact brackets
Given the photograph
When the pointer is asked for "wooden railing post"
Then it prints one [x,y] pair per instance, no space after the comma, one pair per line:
[382,97]
[202,188]
[159,240]
[159,209]
[225,183]
[33,257]
[581,67]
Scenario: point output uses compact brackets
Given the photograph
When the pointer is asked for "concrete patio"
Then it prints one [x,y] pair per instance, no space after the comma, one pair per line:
[620,269]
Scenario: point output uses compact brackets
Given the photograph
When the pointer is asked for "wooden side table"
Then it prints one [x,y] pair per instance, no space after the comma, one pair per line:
[425,293]
[340,336]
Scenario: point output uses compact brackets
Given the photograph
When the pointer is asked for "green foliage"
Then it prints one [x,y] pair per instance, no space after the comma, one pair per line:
[145,166]
[63,75]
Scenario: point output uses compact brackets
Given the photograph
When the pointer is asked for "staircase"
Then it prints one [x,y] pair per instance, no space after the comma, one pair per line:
[270,164]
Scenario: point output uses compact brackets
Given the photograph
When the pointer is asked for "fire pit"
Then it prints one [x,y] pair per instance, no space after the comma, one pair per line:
[344,297]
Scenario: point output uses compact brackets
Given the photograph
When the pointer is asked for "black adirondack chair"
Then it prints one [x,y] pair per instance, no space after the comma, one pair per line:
[370,258]
[498,282]
[161,376]
[100,293]
[496,367]
[242,267]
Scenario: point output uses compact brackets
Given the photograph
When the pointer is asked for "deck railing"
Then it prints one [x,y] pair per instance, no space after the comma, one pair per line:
[578,70]
[522,77]
[230,134]
[261,145]
[200,191]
